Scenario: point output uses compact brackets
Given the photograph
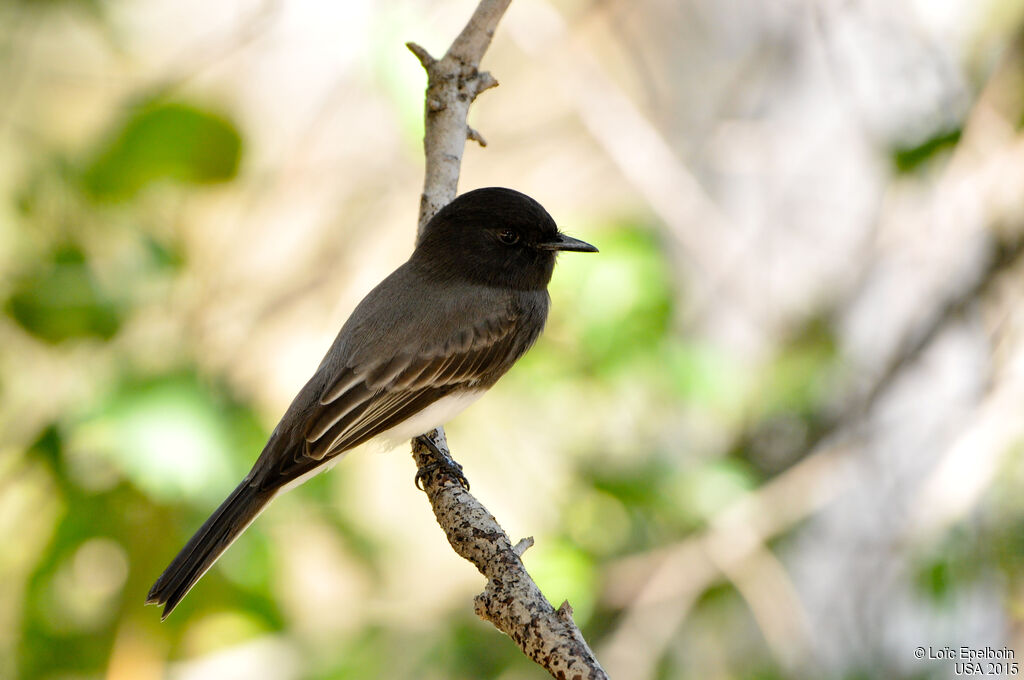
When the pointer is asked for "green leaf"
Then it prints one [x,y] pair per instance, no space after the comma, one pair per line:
[163,141]
[910,158]
[62,300]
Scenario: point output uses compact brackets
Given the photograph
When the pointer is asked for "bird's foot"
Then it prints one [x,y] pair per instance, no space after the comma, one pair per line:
[442,462]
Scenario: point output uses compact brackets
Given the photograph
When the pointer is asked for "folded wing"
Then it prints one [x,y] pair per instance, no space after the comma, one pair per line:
[363,401]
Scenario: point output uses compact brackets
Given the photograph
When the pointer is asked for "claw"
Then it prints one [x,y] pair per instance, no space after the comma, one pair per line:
[443,462]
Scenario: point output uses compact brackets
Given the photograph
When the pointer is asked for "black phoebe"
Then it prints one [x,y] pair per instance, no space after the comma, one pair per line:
[421,346]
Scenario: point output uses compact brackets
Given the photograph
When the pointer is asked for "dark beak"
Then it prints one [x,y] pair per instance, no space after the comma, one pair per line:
[563,242]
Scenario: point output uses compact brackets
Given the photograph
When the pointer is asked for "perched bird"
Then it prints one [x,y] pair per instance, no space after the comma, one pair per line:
[421,346]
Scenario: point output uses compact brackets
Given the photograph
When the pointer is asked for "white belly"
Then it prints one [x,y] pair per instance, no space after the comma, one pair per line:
[435,415]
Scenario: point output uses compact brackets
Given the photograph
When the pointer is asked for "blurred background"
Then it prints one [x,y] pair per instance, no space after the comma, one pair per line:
[774,430]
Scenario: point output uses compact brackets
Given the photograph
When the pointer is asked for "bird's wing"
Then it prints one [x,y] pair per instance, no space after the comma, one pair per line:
[365,400]
[376,397]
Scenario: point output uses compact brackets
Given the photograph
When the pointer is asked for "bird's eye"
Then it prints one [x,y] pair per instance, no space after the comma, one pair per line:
[508,236]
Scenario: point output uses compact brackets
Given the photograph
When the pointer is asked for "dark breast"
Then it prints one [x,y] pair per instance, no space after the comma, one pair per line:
[530,309]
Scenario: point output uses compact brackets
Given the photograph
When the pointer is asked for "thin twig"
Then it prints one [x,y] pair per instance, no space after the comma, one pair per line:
[453,82]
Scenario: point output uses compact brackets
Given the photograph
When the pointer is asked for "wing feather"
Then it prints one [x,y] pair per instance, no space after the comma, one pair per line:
[364,401]
[400,406]
[344,404]
[417,367]
[345,382]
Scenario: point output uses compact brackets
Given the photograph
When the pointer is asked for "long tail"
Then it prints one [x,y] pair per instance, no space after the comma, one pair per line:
[216,535]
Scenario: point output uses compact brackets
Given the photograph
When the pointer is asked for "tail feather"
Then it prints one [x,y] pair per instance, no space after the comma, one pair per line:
[216,535]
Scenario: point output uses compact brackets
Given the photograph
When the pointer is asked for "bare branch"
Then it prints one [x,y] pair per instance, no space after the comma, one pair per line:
[421,54]
[475,38]
[511,600]
[453,82]
[523,545]
[475,136]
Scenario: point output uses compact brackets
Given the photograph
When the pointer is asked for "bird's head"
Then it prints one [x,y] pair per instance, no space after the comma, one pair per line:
[495,236]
